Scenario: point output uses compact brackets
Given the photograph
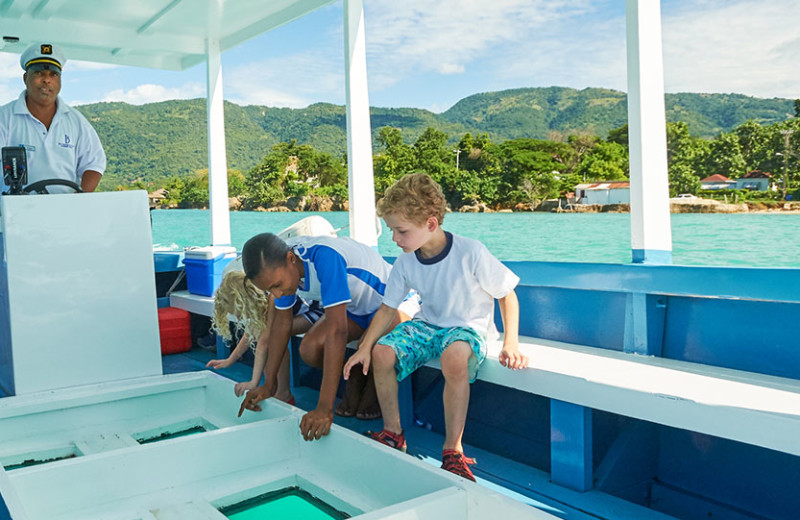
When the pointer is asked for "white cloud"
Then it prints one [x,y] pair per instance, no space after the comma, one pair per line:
[577,50]
[451,68]
[745,46]
[150,93]
[9,67]
[422,36]
[10,77]
[295,80]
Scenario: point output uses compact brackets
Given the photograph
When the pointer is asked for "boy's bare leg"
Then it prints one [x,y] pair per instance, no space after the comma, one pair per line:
[368,406]
[383,359]
[284,390]
[353,388]
[455,369]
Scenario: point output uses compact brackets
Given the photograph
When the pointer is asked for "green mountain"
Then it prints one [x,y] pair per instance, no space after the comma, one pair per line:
[148,142]
[535,112]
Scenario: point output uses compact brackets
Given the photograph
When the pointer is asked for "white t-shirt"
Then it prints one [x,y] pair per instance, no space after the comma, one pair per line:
[457,287]
[339,270]
[69,148]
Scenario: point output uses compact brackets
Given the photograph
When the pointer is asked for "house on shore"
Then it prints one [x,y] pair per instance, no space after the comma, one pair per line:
[755,180]
[155,198]
[603,193]
[717,182]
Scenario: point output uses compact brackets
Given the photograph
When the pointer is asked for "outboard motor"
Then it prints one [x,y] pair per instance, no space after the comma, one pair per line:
[15,169]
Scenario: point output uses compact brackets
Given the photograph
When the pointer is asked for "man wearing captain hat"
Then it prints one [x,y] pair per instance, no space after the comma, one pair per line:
[60,143]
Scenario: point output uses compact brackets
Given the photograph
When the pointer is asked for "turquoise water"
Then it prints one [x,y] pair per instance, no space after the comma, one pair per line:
[290,503]
[286,508]
[759,240]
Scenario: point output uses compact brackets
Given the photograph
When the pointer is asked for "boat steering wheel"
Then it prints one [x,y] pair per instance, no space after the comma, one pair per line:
[41,186]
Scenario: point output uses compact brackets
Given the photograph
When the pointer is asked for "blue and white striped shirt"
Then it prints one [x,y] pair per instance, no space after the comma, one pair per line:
[339,270]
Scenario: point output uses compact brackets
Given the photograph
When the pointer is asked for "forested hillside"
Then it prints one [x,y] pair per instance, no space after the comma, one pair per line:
[157,140]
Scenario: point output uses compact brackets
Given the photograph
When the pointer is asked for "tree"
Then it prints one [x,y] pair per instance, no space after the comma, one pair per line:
[397,159]
[582,143]
[755,143]
[433,155]
[288,170]
[329,171]
[682,179]
[684,154]
[619,136]
[530,169]
[236,183]
[725,157]
[606,162]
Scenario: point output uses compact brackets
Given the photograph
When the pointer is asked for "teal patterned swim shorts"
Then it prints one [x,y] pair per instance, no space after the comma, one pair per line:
[416,342]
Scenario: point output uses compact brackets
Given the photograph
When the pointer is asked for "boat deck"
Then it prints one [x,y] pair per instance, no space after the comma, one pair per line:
[504,475]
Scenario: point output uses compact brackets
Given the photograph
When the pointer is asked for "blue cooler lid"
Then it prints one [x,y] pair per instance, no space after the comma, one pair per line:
[208,252]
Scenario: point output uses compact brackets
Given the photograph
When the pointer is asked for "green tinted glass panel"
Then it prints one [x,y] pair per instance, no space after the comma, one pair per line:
[33,462]
[290,504]
[173,435]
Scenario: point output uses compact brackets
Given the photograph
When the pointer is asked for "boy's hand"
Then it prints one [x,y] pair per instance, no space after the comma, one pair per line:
[512,358]
[252,399]
[241,388]
[216,364]
[316,424]
[361,356]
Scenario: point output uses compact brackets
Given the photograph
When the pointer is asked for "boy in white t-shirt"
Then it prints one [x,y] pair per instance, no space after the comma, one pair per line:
[457,280]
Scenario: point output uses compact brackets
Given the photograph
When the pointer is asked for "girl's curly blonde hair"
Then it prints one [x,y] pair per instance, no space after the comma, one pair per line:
[238,296]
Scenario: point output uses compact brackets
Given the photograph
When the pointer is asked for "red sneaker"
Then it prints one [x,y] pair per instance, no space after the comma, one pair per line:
[387,438]
[455,462]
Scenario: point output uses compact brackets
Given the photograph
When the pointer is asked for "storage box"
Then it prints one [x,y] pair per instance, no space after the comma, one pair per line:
[204,266]
[174,330]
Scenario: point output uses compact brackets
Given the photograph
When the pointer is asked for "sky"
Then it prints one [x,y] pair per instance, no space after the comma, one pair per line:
[429,55]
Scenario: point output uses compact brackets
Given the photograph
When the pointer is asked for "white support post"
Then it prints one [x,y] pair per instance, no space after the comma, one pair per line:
[217,161]
[360,183]
[651,233]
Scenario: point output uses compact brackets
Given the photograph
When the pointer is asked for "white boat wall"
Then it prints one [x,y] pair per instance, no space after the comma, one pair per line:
[653,390]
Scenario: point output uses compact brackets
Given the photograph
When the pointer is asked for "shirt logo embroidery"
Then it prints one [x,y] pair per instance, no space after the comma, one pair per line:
[67,142]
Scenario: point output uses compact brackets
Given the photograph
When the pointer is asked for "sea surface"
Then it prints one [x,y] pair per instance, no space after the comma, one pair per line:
[757,240]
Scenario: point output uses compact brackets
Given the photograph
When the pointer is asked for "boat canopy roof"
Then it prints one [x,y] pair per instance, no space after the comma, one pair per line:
[161,34]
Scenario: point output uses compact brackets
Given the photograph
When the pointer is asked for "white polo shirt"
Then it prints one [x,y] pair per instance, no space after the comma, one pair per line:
[68,149]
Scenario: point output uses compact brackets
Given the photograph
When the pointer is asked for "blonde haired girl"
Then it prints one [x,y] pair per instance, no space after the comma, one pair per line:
[241,303]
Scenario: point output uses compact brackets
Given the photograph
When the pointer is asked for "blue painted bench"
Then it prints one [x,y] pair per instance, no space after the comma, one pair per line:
[641,341]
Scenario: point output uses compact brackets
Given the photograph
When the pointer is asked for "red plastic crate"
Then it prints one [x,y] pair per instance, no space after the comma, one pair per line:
[174,330]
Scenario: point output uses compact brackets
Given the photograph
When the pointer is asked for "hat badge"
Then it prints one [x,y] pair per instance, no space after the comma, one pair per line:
[47,48]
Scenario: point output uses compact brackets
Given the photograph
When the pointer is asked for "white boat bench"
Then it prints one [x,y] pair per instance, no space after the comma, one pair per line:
[742,406]
[739,405]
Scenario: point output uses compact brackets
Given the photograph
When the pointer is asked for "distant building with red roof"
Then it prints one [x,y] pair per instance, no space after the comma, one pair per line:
[717,182]
[603,193]
[755,180]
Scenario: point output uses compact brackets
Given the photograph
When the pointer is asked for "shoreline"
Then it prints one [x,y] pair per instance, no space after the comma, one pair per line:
[509,211]
[547,206]
[693,206]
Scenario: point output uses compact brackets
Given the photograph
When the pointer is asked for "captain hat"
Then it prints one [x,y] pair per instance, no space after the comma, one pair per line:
[43,56]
